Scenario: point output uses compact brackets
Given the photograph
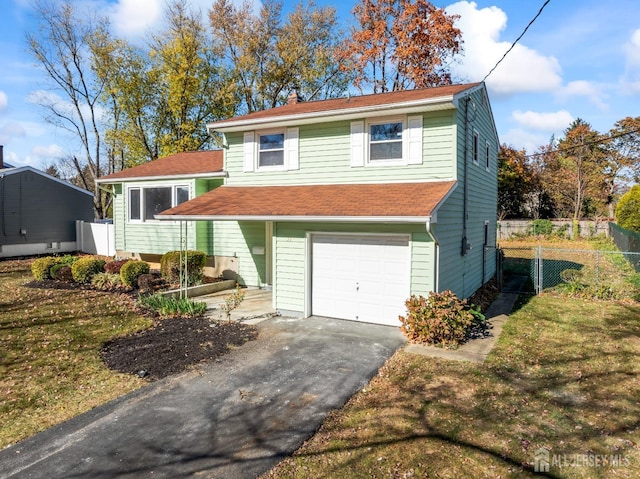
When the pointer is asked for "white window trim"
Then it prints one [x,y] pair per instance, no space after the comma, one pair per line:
[367,141]
[283,166]
[487,165]
[251,155]
[475,147]
[412,141]
[141,188]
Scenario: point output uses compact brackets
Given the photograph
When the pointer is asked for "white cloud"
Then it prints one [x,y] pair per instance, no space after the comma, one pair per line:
[47,151]
[10,131]
[552,122]
[524,139]
[3,100]
[523,69]
[582,88]
[132,18]
[631,78]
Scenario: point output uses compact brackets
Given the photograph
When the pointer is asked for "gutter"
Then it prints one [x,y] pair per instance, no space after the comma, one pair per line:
[436,281]
[111,181]
[432,104]
[313,219]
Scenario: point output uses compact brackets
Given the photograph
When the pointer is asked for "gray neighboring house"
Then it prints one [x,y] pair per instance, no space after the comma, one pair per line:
[38,212]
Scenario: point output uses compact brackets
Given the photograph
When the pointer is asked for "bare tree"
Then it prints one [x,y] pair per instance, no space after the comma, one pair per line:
[60,47]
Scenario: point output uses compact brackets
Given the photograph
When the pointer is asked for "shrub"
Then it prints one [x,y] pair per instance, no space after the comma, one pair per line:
[441,319]
[115,266]
[54,271]
[170,266]
[628,209]
[540,228]
[232,301]
[168,306]
[131,271]
[106,281]
[149,282]
[67,259]
[65,274]
[85,268]
[41,267]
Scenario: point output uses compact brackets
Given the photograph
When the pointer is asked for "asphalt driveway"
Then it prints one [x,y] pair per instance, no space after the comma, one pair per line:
[233,418]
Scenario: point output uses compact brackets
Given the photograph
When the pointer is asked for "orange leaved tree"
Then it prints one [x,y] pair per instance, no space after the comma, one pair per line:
[401,44]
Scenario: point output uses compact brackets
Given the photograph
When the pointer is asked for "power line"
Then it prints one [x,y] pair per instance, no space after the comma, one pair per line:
[517,39]
[589,143]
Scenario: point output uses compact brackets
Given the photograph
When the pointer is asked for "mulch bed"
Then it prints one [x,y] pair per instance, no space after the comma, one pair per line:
[172,345]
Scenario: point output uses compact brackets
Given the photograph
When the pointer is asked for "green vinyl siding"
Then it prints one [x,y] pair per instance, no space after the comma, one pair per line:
[324,157]
[290,257]
[158,237]
[238,239]
[463,274]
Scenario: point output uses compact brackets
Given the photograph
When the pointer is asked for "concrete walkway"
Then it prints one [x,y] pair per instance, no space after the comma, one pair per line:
[232,418]
[256,306]
[478,349]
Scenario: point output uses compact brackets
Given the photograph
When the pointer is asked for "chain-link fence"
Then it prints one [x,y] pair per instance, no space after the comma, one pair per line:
[596,273]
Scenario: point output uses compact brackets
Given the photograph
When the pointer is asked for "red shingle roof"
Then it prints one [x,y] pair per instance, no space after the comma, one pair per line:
[393,201]
[354,102]
[187,163]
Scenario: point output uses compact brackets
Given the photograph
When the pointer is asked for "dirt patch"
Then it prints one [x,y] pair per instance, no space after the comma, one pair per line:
[173,345]
[170,346]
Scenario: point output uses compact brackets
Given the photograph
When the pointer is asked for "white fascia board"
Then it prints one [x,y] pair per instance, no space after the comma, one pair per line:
[416,106]
[313,219]
[221,174]
[13,171]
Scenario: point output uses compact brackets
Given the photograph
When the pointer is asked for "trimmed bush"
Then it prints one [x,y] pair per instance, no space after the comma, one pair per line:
[54,272]
[441,319]
[131,271]
[170,266]
[150,282]
[65,274]
[86,268]
[106,281]
[41,267]
[115,266]
[628,209]
[68,259]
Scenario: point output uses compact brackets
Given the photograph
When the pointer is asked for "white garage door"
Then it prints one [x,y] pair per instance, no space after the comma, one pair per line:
[360,277]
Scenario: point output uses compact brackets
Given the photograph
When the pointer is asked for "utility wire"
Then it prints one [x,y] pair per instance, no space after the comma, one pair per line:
[589,143]
[517,39]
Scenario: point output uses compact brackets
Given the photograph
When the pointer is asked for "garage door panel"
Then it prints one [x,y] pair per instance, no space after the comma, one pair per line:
[365,278]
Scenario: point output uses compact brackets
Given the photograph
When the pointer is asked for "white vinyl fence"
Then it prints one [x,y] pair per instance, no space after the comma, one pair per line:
[95,238]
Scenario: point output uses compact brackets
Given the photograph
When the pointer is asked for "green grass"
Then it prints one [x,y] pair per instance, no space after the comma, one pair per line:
[564,376]
[50,368]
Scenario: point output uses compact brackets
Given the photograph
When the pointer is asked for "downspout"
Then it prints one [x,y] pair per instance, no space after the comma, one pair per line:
[465,244]
[436,281]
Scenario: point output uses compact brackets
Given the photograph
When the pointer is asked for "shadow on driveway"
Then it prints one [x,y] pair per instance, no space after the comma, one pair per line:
[234,417]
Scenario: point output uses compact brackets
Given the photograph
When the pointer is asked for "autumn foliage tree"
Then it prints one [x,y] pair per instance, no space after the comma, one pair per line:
[401,44]
[269,57]
[514,182]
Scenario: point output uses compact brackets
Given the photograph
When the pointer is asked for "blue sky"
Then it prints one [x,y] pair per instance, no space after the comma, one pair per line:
[580,59]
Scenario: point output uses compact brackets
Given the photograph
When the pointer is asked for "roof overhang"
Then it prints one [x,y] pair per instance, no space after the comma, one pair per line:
[213,175]
[392,203]
[345,114]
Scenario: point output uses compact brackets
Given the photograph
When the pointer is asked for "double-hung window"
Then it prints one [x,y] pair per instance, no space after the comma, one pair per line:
[271,149]
[385,141]
[390,141]
[146,202]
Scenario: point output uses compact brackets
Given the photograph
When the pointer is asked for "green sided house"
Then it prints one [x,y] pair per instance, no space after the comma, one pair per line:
[141,192]
[345,207]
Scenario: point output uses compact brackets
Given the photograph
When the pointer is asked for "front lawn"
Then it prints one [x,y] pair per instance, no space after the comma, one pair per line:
[50,340]
[564,379]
